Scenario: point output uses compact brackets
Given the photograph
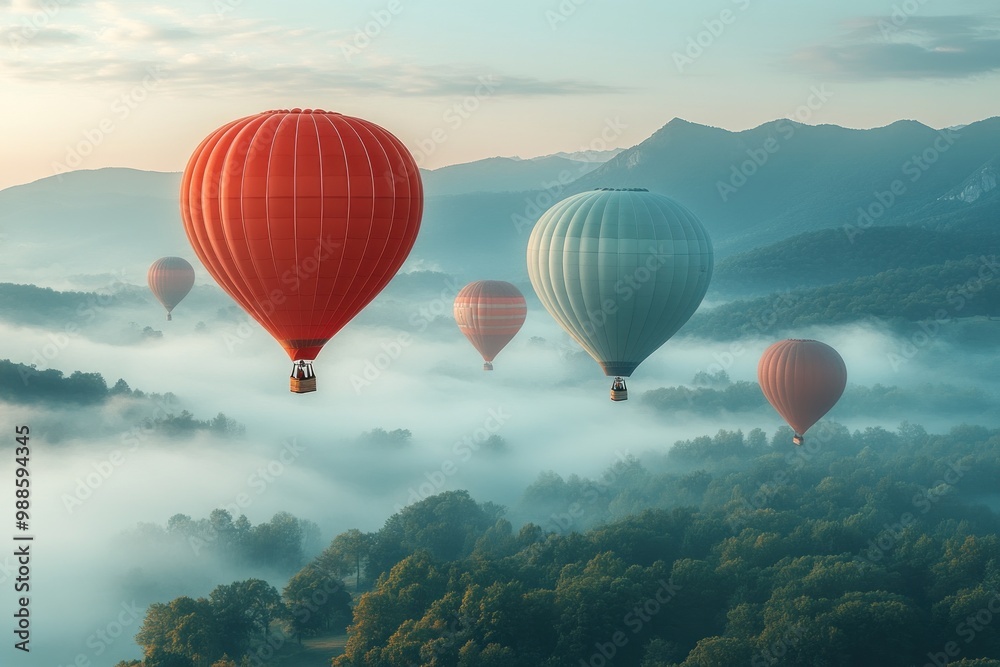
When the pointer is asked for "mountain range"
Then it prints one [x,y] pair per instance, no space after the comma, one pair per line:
[751,189]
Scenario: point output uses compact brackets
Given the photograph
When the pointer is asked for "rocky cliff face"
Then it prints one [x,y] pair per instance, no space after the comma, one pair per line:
[982,182]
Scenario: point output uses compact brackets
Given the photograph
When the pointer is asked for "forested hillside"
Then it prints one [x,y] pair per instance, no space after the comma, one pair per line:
[865,548]
[937,293]
[835,255]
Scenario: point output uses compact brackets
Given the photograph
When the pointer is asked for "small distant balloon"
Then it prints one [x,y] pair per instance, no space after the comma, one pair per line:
[490,313]
[803,380]
[170,279]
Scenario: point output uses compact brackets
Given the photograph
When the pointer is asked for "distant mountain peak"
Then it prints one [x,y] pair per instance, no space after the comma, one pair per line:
[906,123]
[584,155]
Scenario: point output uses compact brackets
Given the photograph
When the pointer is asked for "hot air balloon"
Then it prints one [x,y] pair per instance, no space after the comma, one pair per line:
[802,379]
[489,313]
[170,279]
[621,271]
[302,216]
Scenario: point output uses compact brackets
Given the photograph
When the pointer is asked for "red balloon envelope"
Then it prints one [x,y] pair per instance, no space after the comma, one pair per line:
[170,279]
[490,313]
[302,217]
[802,379]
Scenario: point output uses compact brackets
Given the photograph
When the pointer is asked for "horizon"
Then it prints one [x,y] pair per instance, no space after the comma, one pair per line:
[582,150]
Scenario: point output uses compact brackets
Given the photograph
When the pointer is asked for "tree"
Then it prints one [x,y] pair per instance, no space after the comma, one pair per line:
[162,658]
[243,612]
[277,543]
[315,600]
[184,627]
[351,547]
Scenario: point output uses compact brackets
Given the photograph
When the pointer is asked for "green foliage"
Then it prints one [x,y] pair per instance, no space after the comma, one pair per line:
[829,256]
[446,526]
[23,384]
[20,383]
[793,556]
[863,548]
[878,399]
[898,298]
[32,305]
[277,545]
[234,620]
[243,612]
[379,437]
[184,425]
[315,600]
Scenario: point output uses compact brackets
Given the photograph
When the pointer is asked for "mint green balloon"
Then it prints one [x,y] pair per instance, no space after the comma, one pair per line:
[621,271]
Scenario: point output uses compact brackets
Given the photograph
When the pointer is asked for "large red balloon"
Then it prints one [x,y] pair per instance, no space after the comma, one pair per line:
[170,279]
[302,216]
[489,313]
[802,379]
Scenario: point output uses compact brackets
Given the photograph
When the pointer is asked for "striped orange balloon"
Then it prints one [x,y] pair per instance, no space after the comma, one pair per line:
[170,279]
[803,380]
[302,216]
[490,313]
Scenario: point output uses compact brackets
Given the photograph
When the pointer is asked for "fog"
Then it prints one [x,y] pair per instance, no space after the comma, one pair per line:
[96,473]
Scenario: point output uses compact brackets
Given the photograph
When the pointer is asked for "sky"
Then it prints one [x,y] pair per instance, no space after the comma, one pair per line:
[95,84]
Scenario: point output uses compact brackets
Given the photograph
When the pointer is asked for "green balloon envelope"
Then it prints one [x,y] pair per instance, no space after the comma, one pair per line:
[621,271]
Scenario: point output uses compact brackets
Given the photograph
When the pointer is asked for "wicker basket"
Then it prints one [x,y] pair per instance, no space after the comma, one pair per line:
[302,386]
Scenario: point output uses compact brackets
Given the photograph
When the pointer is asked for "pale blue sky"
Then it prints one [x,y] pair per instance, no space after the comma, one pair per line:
[91,84]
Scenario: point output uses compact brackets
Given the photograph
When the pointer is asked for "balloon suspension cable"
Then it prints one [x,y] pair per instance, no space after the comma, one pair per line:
[303,379]
[619,392]
[798,439]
